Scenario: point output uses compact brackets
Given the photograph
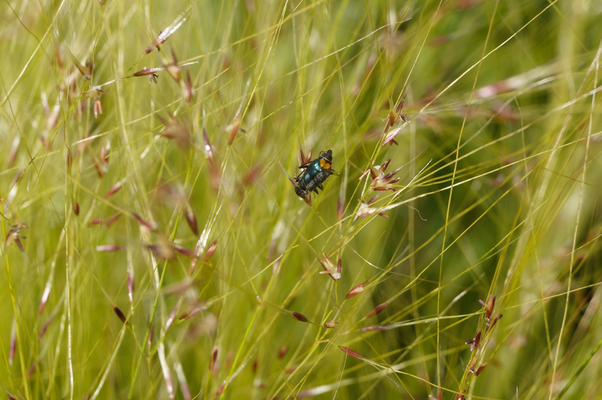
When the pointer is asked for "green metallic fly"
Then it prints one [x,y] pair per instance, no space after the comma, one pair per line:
[314,174]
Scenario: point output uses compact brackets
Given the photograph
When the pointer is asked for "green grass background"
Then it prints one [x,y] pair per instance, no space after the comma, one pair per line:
[498,196]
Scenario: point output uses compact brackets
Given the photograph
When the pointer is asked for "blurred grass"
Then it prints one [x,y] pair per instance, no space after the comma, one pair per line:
[497,196]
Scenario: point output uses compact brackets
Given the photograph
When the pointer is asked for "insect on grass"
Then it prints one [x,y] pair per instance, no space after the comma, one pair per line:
[313,174]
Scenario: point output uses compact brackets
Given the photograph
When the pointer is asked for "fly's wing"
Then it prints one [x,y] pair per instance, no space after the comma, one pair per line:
[305,169]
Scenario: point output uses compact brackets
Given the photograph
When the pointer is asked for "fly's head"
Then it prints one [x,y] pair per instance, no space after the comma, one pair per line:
[326,159]
[301,192]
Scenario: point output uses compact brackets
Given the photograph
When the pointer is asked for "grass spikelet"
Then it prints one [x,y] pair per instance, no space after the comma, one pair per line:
[299,317]
[120,315]
[210,251]
[355,290]
[350,352]
[377,310]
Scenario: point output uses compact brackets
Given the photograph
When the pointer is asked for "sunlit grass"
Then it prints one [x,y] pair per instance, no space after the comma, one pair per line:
[154,247]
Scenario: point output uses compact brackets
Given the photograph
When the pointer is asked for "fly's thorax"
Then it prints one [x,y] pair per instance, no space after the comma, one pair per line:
[310,173]
[315,166]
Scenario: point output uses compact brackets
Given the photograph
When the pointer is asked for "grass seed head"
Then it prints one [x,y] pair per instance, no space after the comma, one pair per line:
[252,176]
[305,159]
[97,107]
[377,310]
[176,130]
[366,209]
[44,298]
[112,220]
[382,181]
[300,317]
[474,343]
[151,334]
[13,151]
[131,286]
[210,250]
[282,351]
[352,353]
[330,269]
[114,189]
[144,224]
[395,115]
[184,251]
[12,347]
[172,67]
[208,147]
[197,308]
[480,369]
[172,315]
[233,129]
[356,290]
[45,327]
[187,89]
[167,32]
[162,249]
[108,248]
[120,314]
[148,71]
[191,219]
[331,324]
[213,359]
[14,234]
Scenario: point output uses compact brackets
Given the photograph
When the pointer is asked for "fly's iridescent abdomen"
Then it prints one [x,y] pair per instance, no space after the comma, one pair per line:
[314,174]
